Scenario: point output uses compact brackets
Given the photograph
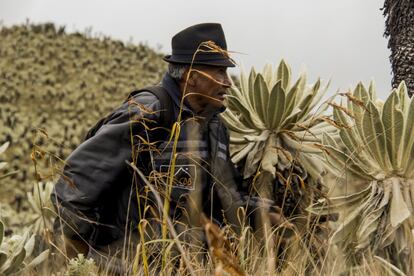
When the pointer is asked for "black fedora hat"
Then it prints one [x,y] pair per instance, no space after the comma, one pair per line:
[185,43]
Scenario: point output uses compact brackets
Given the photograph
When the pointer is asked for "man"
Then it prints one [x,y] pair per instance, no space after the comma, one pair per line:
[100,196]
[102,201]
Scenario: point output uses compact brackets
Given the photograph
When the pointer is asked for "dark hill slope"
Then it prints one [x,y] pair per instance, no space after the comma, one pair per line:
[62,83]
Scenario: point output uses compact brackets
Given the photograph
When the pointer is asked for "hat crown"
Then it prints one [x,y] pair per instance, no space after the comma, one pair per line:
[190,38]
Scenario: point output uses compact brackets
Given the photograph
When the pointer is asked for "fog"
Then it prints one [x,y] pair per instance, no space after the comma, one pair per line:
[338,40]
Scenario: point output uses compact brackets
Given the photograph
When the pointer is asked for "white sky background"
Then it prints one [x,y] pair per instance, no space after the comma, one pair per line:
[338,39]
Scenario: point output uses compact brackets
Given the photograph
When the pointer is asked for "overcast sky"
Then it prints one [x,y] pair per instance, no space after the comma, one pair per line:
[338,39]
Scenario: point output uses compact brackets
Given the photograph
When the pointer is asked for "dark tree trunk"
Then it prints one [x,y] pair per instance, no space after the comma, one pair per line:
[399,28]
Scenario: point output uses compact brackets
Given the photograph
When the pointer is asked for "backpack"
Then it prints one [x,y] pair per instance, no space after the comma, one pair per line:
[166,118]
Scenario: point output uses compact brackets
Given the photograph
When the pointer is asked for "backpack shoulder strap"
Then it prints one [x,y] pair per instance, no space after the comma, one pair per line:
[167,114]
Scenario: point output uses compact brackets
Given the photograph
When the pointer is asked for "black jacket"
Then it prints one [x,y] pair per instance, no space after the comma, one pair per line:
[99,193]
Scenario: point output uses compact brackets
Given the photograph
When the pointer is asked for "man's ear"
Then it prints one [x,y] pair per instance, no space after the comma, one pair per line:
[192,79]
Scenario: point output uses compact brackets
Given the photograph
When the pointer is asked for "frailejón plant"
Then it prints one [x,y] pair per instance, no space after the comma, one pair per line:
[272,122]
[81,266]
[275,129]
[39,201]
[374,158]
[15,253]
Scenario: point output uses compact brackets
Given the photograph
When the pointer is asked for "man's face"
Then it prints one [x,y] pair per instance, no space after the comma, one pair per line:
[209,85]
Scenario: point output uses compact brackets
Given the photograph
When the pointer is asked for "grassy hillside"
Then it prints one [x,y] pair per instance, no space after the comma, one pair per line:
[62,83]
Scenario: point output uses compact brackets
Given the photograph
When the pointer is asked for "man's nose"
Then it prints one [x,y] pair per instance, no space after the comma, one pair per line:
[227,82]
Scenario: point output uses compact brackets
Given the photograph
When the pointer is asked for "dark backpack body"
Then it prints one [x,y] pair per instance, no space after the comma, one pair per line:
[113,213]
[166,117]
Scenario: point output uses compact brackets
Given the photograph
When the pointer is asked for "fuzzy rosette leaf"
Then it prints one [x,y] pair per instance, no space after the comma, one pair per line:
[3,148]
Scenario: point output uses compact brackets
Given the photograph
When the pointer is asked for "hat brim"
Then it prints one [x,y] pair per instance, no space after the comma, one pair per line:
[223,62]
